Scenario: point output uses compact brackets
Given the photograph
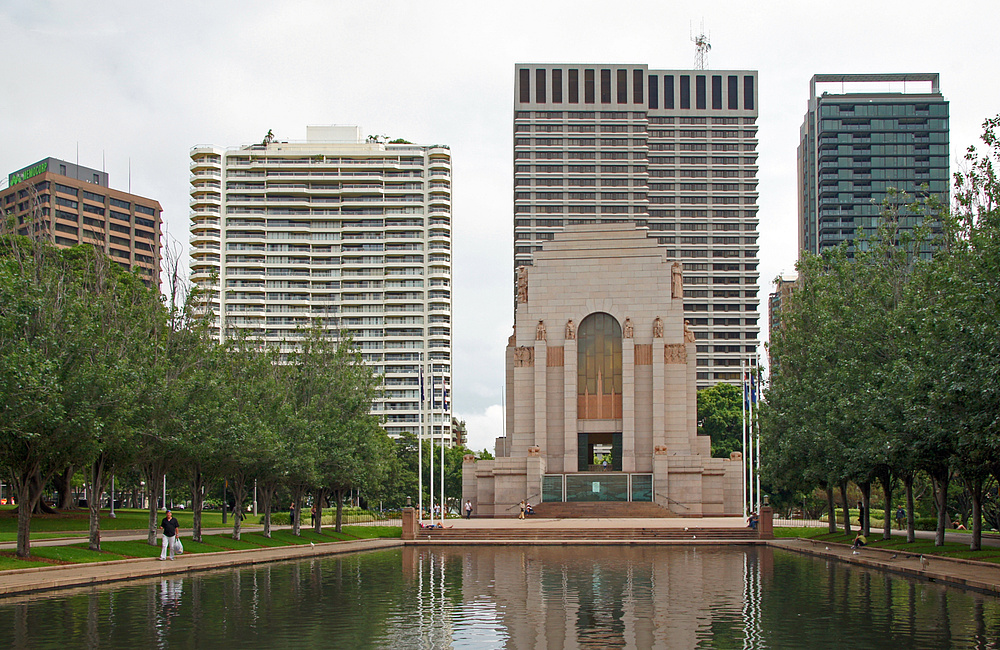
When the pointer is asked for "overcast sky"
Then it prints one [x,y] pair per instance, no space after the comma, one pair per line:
[140,83]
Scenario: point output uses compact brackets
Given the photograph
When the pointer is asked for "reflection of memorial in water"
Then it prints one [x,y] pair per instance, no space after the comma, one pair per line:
[572,596]
[621,596]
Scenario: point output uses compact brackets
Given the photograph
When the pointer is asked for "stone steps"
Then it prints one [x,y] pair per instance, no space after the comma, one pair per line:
[600,509]
[589,534]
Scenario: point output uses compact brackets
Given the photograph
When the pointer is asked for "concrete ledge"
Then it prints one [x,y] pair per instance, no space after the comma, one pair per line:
[969,574]
[34,579]
[587,542]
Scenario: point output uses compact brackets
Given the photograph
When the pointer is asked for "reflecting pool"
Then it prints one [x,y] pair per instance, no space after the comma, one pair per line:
[516,597]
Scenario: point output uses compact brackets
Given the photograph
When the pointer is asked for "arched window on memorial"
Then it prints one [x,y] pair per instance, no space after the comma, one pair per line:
[599,368]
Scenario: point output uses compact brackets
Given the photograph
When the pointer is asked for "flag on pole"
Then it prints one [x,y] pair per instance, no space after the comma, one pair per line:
[423,400]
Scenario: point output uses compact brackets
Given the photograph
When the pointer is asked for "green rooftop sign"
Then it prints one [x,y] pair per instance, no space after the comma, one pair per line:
[27,172]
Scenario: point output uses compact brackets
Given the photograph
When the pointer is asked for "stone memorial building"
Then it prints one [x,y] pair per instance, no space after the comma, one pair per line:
[601,388]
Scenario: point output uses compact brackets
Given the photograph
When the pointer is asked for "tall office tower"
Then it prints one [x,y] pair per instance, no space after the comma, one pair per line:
[785,285]
[863,134]
[350,233]
[674,151]
[68,204]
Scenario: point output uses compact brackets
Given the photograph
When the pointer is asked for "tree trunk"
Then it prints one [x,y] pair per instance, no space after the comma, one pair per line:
[197,500]
[267,499]
[296,518]
[29,487]
[831,520]
[36,488]
[886,480]
[940,482]
[339,496]
[154,481]
[847,508]
[24,519]
[239,489]
[63,483]
[318,498]
[864,517]
[975,486]
[98,479]
[911,535]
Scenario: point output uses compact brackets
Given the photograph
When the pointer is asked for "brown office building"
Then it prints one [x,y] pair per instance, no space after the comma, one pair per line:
[67,204]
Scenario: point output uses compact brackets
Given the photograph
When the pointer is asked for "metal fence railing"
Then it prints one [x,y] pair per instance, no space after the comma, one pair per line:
[798,523]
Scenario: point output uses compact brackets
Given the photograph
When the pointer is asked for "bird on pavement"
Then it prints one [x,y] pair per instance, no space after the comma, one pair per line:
[924,562]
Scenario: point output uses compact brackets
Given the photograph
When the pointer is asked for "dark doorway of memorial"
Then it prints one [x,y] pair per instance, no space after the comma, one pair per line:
[599,452]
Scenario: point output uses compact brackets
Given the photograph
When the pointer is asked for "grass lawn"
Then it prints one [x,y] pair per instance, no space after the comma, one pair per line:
[125,519]
[74,553]
[897,542]
[12,537]
[123,549]
[10,561]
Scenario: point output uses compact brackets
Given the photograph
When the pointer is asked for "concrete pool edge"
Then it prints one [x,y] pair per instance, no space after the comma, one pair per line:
[36,579]
[968,574]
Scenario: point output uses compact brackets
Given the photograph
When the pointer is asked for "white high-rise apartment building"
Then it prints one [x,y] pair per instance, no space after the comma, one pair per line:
[353,233]
[674,151]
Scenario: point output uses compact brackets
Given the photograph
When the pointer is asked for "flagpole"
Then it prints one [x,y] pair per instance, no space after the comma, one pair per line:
[757,422]
[750,429]
[443,418]
[420,450]
[743,404]
[431,450]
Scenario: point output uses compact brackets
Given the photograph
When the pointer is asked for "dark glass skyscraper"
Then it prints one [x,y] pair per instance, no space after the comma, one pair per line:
[864,134]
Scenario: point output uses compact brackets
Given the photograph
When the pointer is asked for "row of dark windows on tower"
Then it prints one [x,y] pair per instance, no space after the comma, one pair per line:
[619,90]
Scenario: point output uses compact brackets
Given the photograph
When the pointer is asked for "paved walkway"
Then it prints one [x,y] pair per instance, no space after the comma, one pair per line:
[20,581]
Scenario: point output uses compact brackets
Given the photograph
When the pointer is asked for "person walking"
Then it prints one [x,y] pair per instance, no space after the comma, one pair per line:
[900,516]
[523,507]
[169,527]
[312,516]
[468,509]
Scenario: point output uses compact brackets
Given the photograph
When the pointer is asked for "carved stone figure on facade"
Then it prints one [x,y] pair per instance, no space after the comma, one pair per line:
[523,356]
[674,353]
[677,280]
[688,334]
[658,328]
[540,331]
[570,330]
[629,330]
[522,284]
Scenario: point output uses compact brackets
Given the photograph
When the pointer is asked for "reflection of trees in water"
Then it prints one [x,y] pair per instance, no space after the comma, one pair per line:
[844,602]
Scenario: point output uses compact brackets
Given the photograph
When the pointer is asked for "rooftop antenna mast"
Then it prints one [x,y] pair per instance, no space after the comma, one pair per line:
[702,48]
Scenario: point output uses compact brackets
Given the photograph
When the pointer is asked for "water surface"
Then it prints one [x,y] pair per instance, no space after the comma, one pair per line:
[516,597]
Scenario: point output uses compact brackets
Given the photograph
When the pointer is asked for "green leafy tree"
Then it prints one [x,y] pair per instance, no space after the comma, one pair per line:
[720,416]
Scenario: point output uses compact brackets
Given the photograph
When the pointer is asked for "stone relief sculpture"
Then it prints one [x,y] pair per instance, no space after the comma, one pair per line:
[540,331]
[522,284]
[570,330]
[674,353]
[524,356]
[677,280]
[688,334]
[629,330]
[658,328]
